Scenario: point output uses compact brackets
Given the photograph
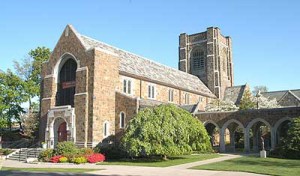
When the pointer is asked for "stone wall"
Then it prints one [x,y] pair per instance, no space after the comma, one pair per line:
[68,46]
[140,89]
[104,86]
[245,117]
[129,106]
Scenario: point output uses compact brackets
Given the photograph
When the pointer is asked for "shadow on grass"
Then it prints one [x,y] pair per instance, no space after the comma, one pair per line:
[252,160]
[146,160]
[35,173]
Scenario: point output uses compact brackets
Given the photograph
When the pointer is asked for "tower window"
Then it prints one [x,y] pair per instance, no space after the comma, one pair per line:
[198,62]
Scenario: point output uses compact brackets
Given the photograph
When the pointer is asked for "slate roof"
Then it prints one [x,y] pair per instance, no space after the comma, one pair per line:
[146,103]
[234,93]
[141,67]
[278,95]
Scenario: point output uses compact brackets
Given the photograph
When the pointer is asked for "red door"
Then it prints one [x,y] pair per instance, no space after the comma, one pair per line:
[62,132]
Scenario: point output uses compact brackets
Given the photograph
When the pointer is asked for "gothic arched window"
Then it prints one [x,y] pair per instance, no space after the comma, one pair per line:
[67,83]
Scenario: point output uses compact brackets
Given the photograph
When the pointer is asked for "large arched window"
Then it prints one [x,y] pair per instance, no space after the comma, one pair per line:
[122,120]
[198,61]
[67,83]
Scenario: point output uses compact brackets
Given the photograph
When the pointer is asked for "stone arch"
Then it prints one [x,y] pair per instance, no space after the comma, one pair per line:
[213,131]
[251,123]
[256,137]
[280,121]
[200,60]
[275,129]
[222,132]
[232,121]
[66,56]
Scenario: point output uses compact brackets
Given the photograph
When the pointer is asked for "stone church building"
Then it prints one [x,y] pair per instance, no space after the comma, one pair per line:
[90,90]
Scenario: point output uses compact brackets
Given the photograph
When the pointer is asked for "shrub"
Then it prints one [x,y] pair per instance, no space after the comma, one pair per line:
[55,159]
[80,160]
[66,148]
[45,155]
[5,151]
[112,151]
[291,144]
[86,151]
[63,159]
[95,158]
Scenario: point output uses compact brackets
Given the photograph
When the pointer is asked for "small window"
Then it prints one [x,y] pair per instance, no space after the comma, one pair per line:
[106,129]
[187,98]
[171,95]
[151,91]
[127,86]
[122,120]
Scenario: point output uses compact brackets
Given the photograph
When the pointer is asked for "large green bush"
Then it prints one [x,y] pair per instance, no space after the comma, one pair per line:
[291,144]
[66,148]
[165,130]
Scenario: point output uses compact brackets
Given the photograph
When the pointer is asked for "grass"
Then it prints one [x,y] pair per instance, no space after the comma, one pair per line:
[155,162]
[269,166]
[52,170]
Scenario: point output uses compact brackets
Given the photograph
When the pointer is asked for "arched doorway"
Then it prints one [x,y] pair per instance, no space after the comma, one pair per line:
[66,83]
[60,130]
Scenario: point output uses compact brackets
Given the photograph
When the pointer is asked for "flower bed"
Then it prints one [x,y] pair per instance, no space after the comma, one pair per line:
[68,152]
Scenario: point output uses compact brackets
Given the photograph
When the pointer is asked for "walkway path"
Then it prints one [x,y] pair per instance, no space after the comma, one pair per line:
[179,170]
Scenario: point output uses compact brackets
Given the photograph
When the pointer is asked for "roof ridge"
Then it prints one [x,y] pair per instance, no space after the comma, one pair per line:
[142,57]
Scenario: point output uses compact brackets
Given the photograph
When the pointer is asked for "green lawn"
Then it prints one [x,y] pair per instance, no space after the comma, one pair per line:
[56,170]
[159,162]
[269,166]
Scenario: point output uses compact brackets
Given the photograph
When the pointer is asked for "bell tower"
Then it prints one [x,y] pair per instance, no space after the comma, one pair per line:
[208,55]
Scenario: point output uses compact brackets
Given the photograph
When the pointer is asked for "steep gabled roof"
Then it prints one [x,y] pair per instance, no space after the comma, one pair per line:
[235,93]
[274,94]
[141,67]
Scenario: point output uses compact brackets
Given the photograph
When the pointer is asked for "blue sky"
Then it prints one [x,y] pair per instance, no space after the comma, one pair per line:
[265,34]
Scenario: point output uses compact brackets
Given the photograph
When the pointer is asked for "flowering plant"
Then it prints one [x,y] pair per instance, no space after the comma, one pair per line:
[97,157]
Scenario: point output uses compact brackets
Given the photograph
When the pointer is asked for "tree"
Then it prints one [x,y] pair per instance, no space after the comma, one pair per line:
[247,101]
[29,70]
[266,103]
[291,144]
[12,96]
[221,105]
[257,89]
[165,130]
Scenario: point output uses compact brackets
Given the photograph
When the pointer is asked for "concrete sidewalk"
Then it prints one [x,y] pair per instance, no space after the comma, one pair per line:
[114,170]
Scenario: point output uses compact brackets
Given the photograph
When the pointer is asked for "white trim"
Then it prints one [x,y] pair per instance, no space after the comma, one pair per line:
[63,58]
[183,60]
[81,69]
[127,80]
[49,76]
[210,43]
[183,48]
[209,55]
[83,93]
[49,98]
